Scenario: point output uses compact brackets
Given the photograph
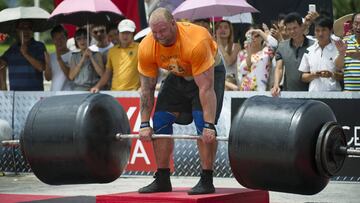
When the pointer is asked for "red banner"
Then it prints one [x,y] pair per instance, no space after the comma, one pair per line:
[142,156]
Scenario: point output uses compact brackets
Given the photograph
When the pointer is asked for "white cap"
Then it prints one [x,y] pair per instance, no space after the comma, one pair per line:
[126,26]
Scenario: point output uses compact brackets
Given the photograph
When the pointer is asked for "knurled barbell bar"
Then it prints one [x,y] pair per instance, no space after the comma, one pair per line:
[285,145]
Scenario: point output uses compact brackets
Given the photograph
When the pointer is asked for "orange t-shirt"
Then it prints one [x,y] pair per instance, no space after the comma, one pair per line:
[193,52]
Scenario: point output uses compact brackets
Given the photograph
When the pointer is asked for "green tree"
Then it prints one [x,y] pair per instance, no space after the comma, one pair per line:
[2,5]
[48,5]
[343,7]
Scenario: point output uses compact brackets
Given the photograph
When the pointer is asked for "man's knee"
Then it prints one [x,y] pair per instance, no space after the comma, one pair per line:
[163,122]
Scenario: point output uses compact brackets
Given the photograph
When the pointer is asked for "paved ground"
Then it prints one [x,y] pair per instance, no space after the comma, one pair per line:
[337,192]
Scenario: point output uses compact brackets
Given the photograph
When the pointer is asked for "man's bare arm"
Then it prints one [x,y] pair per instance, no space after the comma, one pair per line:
[205,82]
[308,77]
[3,79]
[279,68]
[103,80]
[3,63]
[38,65]
[278,74]
[146,97]
[63,66]
[48,71]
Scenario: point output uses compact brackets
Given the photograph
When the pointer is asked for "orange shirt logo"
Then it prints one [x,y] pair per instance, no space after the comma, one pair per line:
[173,66]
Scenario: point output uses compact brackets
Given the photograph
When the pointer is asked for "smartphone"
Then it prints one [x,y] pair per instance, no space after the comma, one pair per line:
[312,8]
[347,28]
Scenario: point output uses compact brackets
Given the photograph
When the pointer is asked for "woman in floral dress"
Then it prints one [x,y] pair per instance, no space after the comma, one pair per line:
[255,66]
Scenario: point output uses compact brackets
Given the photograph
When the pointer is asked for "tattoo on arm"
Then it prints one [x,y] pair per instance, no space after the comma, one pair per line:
[144,103]
[147,97]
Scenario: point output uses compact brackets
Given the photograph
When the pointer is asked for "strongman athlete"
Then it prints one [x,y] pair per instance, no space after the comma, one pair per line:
[189,92]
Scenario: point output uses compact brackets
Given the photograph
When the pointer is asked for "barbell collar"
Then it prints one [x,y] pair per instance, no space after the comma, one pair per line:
[159,136]
[347,151]
[10,143]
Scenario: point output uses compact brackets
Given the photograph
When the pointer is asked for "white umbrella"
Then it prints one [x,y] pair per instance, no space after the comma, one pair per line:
[38,17]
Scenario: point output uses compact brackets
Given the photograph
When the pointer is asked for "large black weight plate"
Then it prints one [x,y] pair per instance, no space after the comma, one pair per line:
[70,139]
[272,144]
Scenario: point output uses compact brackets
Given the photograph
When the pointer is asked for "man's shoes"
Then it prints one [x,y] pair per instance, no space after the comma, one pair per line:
[204,186]
[160,184]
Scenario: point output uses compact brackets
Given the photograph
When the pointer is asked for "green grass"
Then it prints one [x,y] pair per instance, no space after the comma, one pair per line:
[3,47]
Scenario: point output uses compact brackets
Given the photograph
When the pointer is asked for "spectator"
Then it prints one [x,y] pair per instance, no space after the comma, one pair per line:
[86,67]
[308,21]
[228,51]
[348,59]
[278,30]
[318,63]
[113,34]
[342,25]
[204,22]
[255,68]
[102,43]
[25,60]
[57,64]
[289,54]
[122,61]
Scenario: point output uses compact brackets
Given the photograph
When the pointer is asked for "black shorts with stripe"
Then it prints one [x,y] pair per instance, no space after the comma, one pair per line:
[180,95]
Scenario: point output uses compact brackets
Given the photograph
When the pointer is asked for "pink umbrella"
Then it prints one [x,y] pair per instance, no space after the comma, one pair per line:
[197,9]
[80,12]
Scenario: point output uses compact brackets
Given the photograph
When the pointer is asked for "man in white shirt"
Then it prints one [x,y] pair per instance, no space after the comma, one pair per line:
[102,43]
[57,64]
[318,63]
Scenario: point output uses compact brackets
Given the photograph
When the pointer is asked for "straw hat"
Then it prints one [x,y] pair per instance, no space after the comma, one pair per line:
[339,24]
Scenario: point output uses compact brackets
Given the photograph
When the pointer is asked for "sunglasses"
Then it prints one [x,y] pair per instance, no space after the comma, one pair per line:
[102,31]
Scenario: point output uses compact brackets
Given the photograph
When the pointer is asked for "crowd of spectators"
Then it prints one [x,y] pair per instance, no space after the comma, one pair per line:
[279,57]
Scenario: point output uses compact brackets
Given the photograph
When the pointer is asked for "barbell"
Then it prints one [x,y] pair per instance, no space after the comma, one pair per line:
[285,145]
